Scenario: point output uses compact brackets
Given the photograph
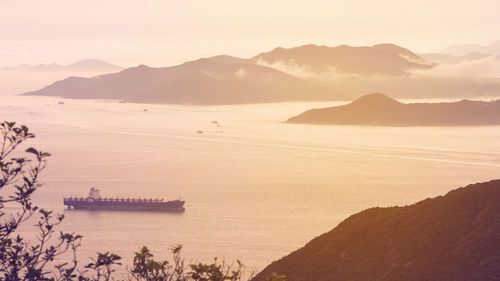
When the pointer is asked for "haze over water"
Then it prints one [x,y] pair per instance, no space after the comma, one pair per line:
[255,188]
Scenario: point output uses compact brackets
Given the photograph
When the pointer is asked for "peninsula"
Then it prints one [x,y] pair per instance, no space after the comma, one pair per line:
[381,110]
[207,81]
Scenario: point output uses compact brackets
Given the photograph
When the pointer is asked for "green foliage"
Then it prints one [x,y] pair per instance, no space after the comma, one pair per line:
[19,179]
[216,271]
[275,277]
[452,237]
[102,267]
[146,268]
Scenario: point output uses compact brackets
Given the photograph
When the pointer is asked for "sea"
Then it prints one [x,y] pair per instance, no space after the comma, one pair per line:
[256,188]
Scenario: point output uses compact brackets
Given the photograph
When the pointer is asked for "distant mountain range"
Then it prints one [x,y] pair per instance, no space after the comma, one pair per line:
[452,237]
[451,59]
[381,110]
[306,73]
[382,59]
[89,65]
[379,68]
[217,80]
[464,49]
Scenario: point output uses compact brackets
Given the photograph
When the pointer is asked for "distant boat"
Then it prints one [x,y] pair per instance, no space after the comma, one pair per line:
[94,201]
[199,132]
[61,102]
[214,122]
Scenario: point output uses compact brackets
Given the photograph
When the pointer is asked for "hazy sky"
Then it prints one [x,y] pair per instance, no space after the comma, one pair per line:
[131,32]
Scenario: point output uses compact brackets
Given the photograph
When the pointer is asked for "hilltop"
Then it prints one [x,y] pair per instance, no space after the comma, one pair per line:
[305,73]
[218,80]
[451,59]
[88,65]
[386,67]
[381,110]
[451,237]
[381,59]
[463,49]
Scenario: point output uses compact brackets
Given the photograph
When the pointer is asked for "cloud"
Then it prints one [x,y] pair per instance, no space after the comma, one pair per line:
[484,68]
[307,73]
[331,77]
[241,73]
[416,60]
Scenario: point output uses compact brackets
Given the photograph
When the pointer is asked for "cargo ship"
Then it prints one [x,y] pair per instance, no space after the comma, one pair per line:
[94,201]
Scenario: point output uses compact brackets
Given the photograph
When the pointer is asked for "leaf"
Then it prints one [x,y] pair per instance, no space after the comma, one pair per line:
[32,150]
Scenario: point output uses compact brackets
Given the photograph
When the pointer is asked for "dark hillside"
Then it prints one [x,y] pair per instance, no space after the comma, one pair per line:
[451,237]
[381,110]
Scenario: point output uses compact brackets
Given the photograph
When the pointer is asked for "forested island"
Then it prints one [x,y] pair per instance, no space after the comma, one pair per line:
[381,110]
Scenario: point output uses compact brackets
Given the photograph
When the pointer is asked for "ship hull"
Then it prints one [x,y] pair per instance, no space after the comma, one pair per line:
[170,206]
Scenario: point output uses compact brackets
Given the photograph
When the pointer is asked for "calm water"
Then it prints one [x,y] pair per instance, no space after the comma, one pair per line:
[256,188]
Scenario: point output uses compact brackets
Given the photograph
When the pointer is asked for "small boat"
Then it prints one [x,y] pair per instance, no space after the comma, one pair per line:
[94,201]
[199,132]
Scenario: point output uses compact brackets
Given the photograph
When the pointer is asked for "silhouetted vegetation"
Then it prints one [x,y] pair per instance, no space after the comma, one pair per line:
[53,254]
[452,237]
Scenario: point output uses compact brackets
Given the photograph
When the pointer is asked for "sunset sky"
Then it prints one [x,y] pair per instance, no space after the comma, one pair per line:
[160,33]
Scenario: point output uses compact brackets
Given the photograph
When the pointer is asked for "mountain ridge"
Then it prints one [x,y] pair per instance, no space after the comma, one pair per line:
[78,66]
[452,59]
[378,59]
[463,49]
[216,80]
[304,73]
[380,110]
[450,237]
